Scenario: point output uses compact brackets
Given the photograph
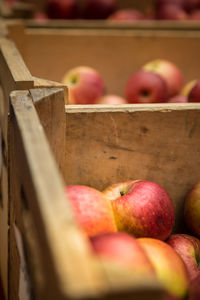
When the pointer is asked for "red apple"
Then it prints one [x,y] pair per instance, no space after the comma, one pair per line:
[195,15]
[99,9]
[62,9]
[169,267]
[111,99]
[194,289]
[180,3]
[92,210]
[126,15]
[145,87]
[123,249]
[192,210]
[169,72]
[191,5]
[194,94]
[178,99]
[85,85]
[171,12]
[142,208]
[40,16]
[188,247]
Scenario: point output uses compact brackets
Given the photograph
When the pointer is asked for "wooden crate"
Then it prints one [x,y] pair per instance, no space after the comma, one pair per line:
[83,141]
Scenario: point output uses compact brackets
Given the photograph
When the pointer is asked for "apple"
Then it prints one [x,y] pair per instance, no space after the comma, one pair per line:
[123,249]
[98,9]
[92,210]
[142,208]
[170,268]
[195,15]
[178,99]
[146,87]
[188,247]
[192,209]
[126,15]
[169,72]
[191,5]
[40,16]
[194,94]
[85,85]
[194,289]
[111,99]
[180,3]
[62,9]
[171,12]
[187,88]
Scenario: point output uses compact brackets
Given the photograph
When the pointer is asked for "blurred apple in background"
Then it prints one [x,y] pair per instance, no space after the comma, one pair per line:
[40,16]
[111,99]
[169,267]
[142,208]
[92,210]
[146,87]
[187,87]
[195,15]
[125,250]
[169,72]
[62,9]
[178,99]
[171,12]
[98,9]
[191,5]
[188,247]
[194,94]
[85,85]
[192,210]
[126,15]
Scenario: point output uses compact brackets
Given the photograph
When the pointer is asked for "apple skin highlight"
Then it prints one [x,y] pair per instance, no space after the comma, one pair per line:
[92,210]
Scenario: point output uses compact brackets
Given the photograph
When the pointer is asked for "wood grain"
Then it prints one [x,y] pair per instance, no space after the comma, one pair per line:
[151,142]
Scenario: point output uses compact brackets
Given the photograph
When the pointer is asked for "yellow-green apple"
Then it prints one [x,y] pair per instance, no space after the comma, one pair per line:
[194,289]
[169,72]
[192,209]
[111,99]
[142,208]
[62,9]
[123,249]
[92,210]
[85,85]
[178,99]
[194,94]
[146,87]
[188,247]
[127,14]
[98,9]
[187,87]
[169,267]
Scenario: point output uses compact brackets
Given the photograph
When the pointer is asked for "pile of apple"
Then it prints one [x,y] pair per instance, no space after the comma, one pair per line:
[158,81]
[130,225]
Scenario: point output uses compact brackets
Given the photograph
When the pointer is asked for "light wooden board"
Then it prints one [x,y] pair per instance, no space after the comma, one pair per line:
[151,142]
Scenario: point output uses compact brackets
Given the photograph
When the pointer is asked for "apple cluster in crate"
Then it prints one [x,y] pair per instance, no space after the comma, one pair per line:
[158,81]
[130,224]
[109,10]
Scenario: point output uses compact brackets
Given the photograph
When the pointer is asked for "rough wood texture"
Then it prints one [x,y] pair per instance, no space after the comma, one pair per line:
[13,76]
[51,59]
[153,142]
[50,106]
[58,237]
